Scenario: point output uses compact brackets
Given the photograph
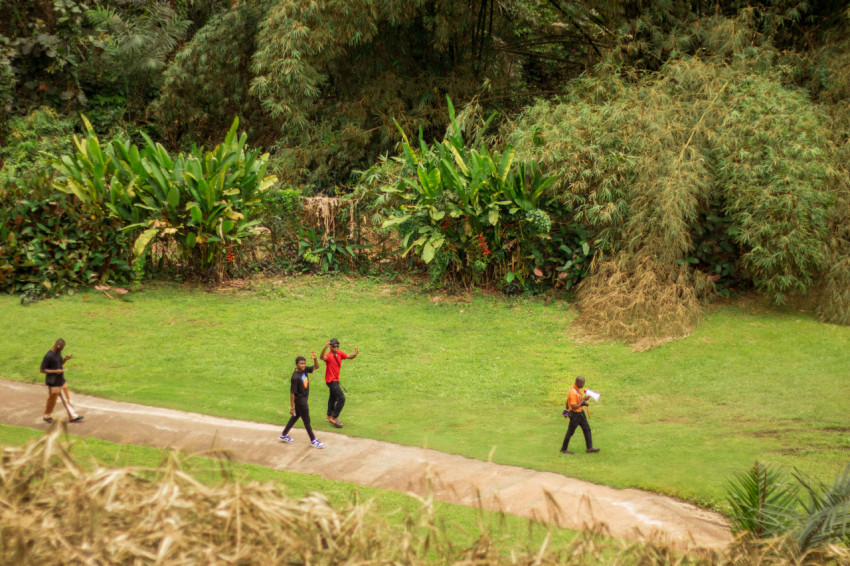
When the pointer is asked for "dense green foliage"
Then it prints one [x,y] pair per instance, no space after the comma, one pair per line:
[201,201]
[698,148]
[651,166]
[473,216]
[49,244]
[30,138]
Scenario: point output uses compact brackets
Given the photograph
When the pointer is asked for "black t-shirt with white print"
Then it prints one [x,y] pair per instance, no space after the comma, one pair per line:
[300,386]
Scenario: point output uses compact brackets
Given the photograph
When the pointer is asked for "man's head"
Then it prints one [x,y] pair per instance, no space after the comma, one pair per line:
[300,363]
[334,344]
[579,382]
[57,347]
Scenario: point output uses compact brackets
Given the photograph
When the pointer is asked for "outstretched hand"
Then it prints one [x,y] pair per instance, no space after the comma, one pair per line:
[68,357]
[356,351]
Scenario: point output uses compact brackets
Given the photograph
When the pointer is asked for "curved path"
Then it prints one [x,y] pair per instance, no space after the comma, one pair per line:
[545,496]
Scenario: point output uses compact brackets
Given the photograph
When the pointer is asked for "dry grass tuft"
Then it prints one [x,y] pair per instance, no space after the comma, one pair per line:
[320,213]
[52,510]
[642,302]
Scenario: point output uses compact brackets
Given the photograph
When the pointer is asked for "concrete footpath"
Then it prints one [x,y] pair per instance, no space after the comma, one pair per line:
[628,513]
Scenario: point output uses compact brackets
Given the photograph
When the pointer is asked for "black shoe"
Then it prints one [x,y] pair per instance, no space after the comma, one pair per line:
[48,420]
[567,452]
[76,419]
[592,450]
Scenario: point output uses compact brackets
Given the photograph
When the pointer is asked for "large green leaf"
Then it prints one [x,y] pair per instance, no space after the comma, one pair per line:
[143,241]
[173,197]
[427,252]
[395,221]
[196,214]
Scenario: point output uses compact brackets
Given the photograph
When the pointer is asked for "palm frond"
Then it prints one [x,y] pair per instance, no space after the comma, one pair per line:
[763,503]
[827,511]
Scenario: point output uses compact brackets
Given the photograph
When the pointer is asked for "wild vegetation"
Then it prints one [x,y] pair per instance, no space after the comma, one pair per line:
[642,157]
[638,159]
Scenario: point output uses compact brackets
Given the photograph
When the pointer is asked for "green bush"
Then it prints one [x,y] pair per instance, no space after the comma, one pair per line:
[42,130]
[51,244]
[708,173]
[478,217]
[199,205]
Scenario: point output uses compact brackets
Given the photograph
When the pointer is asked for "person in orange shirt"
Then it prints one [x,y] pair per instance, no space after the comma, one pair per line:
[576,402]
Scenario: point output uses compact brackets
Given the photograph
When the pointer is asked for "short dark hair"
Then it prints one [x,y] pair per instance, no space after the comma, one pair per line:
[300,359]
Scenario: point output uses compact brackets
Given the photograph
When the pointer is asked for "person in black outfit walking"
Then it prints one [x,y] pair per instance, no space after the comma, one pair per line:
[53,368]
[299,391]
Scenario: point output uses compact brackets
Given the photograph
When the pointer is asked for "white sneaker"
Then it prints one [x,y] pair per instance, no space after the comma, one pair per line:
[286,438]
[317,444]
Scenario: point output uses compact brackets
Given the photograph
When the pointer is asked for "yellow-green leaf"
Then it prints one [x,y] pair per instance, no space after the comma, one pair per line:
[144,240]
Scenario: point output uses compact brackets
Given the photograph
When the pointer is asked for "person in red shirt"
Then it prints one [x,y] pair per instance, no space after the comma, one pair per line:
[333,361]
[576,402]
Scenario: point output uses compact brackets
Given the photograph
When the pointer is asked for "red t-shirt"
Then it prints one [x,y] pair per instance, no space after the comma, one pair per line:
[332,363]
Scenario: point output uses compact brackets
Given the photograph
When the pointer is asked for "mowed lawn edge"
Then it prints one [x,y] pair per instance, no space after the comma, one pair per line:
[482,377]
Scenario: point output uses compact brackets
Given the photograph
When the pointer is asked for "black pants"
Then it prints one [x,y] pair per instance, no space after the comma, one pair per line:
[302,411]
[336,399]
[578,420]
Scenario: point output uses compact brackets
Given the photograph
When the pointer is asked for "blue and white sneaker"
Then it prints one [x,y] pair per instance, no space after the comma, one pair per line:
[286,438]
[316,443]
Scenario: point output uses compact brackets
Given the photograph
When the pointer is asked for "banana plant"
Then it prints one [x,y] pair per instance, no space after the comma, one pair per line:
[453,191]
[202,200]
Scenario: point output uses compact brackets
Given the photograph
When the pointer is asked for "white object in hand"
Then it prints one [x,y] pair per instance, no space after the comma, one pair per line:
[592,394]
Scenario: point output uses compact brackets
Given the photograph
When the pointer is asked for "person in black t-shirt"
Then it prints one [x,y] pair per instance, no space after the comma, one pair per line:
[52,366]
[299,390]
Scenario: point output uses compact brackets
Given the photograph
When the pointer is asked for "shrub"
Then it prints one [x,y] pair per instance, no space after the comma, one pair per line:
[51,244]
[201,202]
[644,162]
[475,216]
[42,130]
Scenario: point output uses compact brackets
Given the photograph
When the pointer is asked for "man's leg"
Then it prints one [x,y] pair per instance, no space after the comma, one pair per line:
[304,413]
[292,420]
[570,430]
[52,395]
[331,400]
[339,398]
[72,414]
[585,428]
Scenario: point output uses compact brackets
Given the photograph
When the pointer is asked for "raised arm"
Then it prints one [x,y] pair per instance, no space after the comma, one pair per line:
[356,351]
[325,349]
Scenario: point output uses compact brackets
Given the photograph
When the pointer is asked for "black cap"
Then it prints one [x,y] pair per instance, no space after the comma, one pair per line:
[334,341]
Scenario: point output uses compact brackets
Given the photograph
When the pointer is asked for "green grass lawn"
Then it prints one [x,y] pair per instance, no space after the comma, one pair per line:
[462,525]
[485,378]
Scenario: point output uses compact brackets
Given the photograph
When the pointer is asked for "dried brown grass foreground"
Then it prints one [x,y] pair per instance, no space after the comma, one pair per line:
[52,510]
